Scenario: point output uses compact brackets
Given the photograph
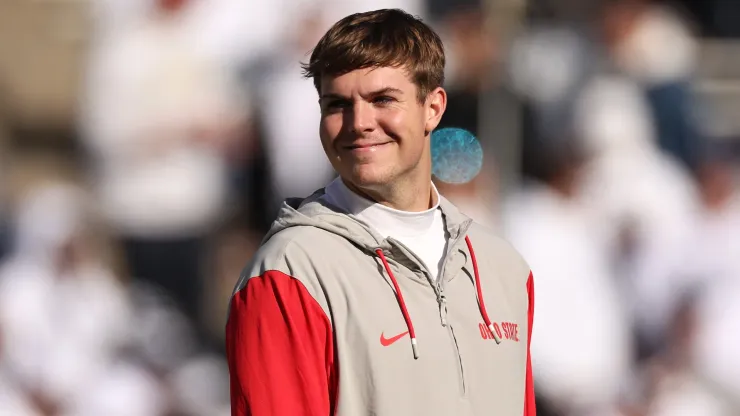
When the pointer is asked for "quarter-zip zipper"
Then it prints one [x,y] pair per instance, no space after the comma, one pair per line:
[441,299]
[451,332]
[443,309]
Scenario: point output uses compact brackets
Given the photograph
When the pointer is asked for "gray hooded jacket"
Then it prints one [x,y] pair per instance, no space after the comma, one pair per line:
[329,318]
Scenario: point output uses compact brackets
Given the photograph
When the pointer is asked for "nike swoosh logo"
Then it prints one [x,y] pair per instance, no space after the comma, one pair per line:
[388,341]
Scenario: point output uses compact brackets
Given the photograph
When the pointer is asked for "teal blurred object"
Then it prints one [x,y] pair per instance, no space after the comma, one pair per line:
[457,155]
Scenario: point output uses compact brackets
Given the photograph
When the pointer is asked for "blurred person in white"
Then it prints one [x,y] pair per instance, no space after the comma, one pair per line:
[713,262]
[63,315]
[160,117]
[671,384]
[652,43]
[142,379]
[125,389]
[582,352]
[201,387]
[644,197]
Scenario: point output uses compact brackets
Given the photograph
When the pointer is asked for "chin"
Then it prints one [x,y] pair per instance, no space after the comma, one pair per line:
[369,176]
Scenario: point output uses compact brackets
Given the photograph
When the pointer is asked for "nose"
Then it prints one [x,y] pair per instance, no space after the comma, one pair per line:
[361,118]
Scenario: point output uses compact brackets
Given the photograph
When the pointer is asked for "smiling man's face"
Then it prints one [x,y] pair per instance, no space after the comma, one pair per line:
[374,129]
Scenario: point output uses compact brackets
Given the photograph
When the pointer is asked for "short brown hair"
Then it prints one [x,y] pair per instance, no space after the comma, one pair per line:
[380,38]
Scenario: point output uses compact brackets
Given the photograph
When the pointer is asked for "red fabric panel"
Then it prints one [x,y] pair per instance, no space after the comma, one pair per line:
[280,350]
[529,403]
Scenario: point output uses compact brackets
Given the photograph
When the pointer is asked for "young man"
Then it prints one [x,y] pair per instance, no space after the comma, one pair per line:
[367,298]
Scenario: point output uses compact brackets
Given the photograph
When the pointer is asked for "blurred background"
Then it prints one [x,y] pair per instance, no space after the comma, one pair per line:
[146,144]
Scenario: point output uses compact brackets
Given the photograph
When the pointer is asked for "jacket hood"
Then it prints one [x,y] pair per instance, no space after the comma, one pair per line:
[313,211]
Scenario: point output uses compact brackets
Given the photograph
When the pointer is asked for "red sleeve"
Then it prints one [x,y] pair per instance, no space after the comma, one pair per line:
[280,350]
[529,404]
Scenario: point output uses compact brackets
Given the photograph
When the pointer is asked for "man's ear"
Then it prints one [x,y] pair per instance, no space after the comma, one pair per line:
[435,106]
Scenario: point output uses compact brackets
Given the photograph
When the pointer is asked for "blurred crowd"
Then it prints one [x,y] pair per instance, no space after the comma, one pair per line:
[123,231]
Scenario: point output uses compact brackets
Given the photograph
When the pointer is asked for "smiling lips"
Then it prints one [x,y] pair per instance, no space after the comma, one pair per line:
[365,147]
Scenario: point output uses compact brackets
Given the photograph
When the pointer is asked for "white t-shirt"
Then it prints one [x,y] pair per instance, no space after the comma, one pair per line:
[421,232]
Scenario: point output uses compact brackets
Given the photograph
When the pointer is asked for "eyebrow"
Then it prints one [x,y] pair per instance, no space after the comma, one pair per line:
[382,91]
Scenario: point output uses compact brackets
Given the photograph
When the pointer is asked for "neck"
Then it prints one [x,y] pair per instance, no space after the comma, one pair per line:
[414,198]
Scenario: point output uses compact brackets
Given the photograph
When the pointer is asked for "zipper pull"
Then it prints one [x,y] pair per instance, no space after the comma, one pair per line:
[443,310]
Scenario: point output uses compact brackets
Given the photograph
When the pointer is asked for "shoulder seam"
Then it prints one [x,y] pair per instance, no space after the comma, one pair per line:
[280,249]
[313,297]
